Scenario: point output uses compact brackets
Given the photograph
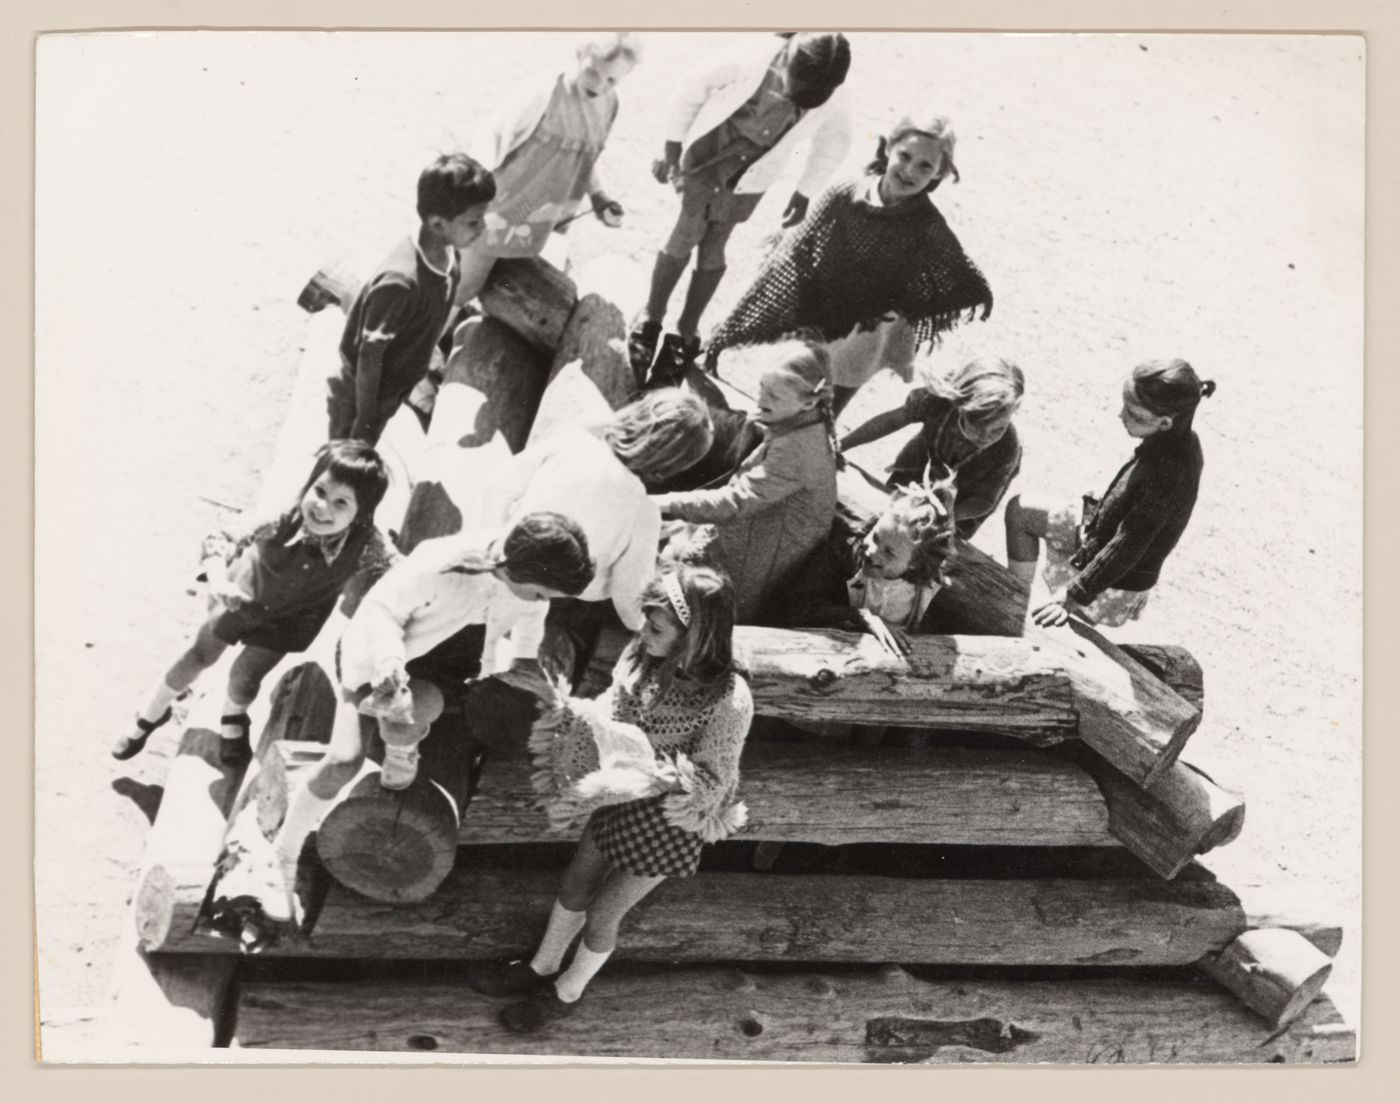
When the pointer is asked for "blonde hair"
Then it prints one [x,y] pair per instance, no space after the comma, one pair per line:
[982,391]
[926,514]
[661,434]
[937,128]
[610,45]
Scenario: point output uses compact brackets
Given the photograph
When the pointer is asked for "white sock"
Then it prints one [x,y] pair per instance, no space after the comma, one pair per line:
[305,810]
[159,702]
[1023,569]
[559,933]
[581,970]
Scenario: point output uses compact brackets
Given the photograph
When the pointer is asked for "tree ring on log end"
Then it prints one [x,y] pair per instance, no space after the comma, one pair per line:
[392,847]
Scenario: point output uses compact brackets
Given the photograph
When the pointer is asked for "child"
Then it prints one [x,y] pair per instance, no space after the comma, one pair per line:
[677,682]
[601,481]
[272,586]
[883,580]
[874,268]
[544,148]
[778,506]
[1104,556]
[731,133]
[396,318]
[965,416]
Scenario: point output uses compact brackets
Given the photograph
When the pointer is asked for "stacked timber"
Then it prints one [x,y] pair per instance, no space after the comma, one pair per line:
[1023,839]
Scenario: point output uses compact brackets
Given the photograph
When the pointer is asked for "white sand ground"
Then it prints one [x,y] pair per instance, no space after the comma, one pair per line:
[1129,197]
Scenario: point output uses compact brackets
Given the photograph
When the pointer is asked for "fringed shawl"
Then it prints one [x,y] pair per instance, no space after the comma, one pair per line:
[849,263]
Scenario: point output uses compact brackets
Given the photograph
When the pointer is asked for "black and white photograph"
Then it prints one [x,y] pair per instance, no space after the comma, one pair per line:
[781,546]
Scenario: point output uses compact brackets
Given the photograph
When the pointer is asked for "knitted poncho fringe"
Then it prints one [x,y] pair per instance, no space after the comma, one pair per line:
[849,263]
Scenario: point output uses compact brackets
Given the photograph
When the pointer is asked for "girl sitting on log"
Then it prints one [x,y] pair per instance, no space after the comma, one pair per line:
[600,480]
[874,268]
[777,507]
[965,418]
[652,766]
[1104,555]
[273,586]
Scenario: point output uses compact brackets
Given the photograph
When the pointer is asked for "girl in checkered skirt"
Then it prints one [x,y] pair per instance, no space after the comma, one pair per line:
[654,765]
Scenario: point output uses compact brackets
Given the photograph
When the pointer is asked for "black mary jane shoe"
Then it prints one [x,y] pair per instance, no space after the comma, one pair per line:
[236,752]
[540,1008]
[131,745]
[641,346]
[675,357]
[505,978]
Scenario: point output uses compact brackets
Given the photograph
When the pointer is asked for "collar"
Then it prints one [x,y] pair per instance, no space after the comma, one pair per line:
[451,259]
[329,546]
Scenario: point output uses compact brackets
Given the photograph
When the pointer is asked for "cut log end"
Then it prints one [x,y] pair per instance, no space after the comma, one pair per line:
[1275,972]
[388,846]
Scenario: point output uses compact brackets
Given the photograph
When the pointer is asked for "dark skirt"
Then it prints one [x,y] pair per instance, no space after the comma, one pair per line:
[635,838]
[255,625]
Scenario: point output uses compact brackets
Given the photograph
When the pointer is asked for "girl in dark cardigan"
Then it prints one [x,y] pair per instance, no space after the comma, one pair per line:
[1105,555]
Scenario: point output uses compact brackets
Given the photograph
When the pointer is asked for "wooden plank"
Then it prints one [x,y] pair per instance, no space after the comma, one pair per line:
[532,297]
[868,1016]
[483,911]
[837,795]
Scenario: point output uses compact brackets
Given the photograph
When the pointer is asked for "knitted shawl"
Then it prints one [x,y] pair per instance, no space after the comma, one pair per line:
[849,263]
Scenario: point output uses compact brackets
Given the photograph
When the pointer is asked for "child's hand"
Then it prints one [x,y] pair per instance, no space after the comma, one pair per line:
[393,679]
[608,211]
[796,210]
[668,166]
[891,638]
[1056,611]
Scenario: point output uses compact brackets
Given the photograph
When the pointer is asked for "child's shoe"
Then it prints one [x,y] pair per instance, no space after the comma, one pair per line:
[505,978]
[677,354]
[236,752]
[641,347]
[400,767]
[129,746]
[540,1008]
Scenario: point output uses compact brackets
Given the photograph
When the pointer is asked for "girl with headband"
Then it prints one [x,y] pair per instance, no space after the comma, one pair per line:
[651,768]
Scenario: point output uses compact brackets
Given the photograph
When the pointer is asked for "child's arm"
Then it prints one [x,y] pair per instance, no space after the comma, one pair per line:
[372,648]
[386,313]
[221,548]
[881,425]
[1149,512]
[763,485]
[830,144]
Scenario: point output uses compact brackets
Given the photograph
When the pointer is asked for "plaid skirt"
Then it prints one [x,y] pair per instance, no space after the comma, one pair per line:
[635,838]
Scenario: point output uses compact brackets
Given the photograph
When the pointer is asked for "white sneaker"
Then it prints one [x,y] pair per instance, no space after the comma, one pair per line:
[400,767]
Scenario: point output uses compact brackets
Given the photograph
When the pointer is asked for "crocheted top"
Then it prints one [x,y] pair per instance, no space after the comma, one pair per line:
[850,262]
[696,734]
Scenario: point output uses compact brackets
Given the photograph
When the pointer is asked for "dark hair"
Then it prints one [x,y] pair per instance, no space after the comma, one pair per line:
[451,184]
[358,466]
[1171,388]
[548,549]
[817,65]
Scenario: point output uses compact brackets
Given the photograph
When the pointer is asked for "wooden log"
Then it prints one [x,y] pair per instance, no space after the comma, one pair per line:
[158,1000]
[532,297]
[837,795]
[1175,666]
[495,361]
[1277,973]
[868,1016]
[483,910]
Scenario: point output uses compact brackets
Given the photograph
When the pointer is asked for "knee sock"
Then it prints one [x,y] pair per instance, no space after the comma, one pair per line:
[703,282]
[159,702]
[559,934]
[581,970]
[1023,570]
[664,276]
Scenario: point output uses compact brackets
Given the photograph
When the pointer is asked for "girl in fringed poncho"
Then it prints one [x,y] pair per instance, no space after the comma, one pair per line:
[652,766]
[874,268]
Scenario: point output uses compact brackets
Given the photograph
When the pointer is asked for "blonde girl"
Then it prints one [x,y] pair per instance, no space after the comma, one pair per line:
[1105,554]
[679,699]
[964,418]
[273,586]
[778,505]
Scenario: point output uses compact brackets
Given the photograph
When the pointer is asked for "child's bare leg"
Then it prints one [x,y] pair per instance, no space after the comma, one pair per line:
[587,871]
[312,799]
[619,894]
[245,679]
[401,740]
[202,653]
[1027,522]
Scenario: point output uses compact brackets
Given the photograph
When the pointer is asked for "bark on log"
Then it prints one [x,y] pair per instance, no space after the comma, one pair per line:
[1277,973]
[837,795]
[532,297]
[867,1016]
[481,911]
